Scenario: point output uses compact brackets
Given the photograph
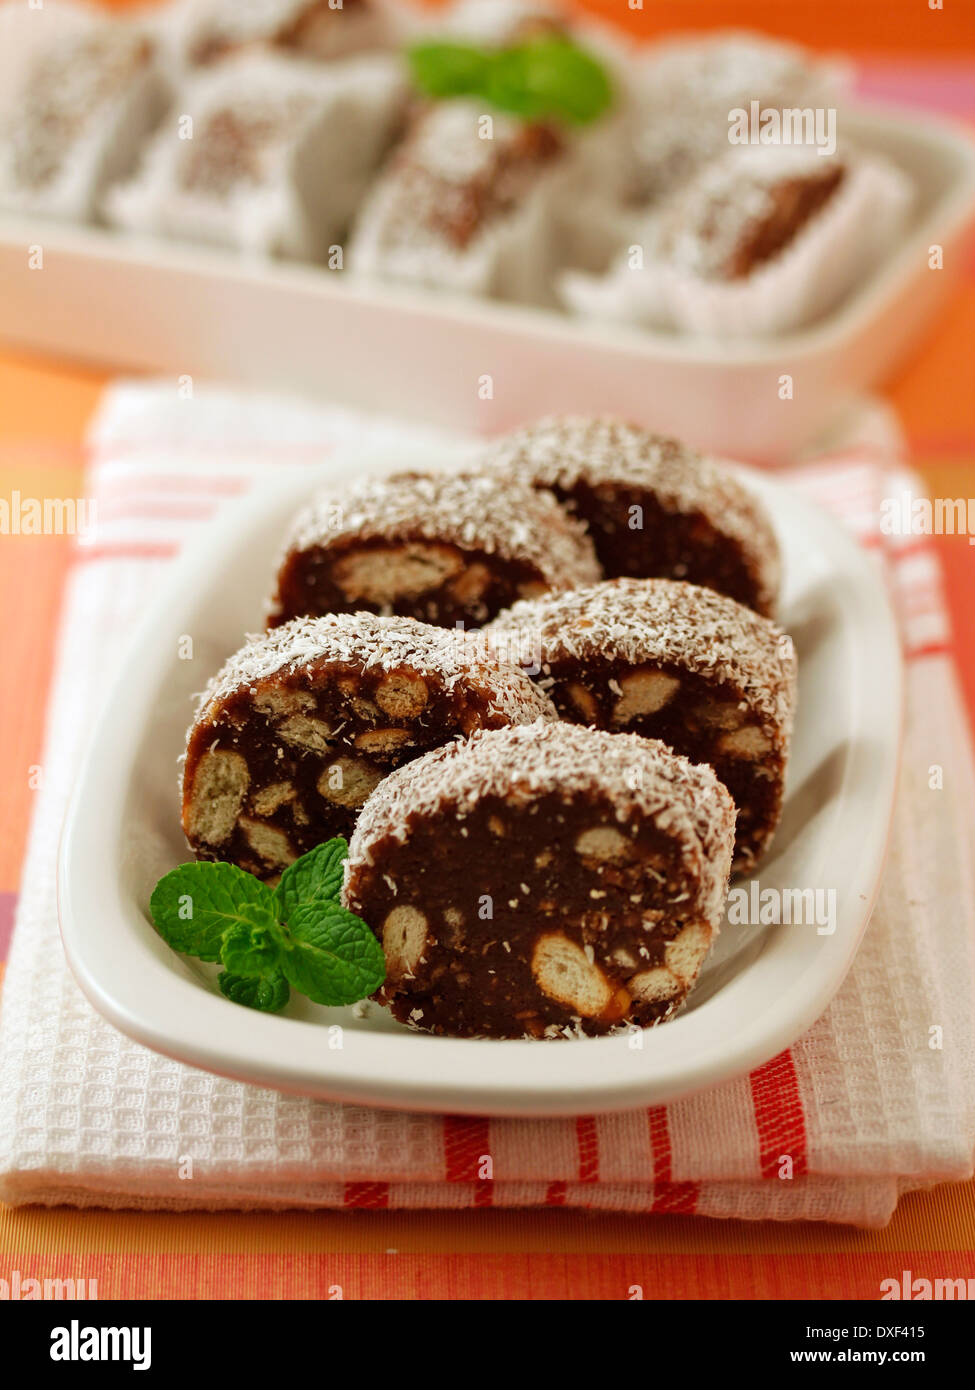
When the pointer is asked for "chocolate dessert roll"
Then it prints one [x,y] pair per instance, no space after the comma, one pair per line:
[301,725]
[542,881]
[467,207]
[685,88]
[279,159]
[740,213]
[653,507]
[318,30]
[500,23]
[84,98]
[763,240]
[676,662]
[446,549]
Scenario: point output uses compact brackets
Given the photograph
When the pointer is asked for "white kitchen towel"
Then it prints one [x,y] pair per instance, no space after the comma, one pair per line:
[877,1098]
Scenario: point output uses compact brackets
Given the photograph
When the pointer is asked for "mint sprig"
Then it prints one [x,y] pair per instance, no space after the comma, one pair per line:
[297,935]
[316,875]
[442,69]
[267,992]
[328,955]
[545,78]
[198,906]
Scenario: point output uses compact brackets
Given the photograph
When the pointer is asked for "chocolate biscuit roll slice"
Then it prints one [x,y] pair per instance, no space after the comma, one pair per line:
[301,725]
[315,30]
[653,507]
[740,213]
[450,550]
[454,211]
[81,92]
[673,661]
[542,881]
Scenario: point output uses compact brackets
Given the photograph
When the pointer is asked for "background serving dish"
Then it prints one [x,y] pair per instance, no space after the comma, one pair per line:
[762,987]
[265,323]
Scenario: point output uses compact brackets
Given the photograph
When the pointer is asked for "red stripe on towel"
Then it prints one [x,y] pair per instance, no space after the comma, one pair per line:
[930,649]
[466,1143]
[366,1194]
[779,1116]
[667,1194]
[231,486]
[162,550]
[153,509]
[587,1142]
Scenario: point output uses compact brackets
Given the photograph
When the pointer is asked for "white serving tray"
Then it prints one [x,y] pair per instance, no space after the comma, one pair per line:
[760,989]
[140,304]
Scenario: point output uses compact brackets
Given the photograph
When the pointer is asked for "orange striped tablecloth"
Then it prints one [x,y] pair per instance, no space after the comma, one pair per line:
[482,1254]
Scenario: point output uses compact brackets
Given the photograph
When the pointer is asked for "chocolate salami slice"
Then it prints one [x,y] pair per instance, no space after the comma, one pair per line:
[542,881]
[653,507]
[673,661]
[301,726]
[268,137]
[453,210]
[738,214]
[317,30]
[447,549]
[81,94]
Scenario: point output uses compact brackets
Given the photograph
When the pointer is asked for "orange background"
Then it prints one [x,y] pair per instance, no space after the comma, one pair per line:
[855,26]
[483,1254]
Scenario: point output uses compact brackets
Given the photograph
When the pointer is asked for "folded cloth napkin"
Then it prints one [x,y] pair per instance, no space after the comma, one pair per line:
[877,1098]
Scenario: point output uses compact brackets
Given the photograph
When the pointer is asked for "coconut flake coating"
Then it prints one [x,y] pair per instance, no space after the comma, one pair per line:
[551,882]
[70,87]
[311,28]
[676,662]
[698,521]
[443,209]
[637,775]
[686,88]
[300,727]
[369,642]
[662,622]
[745,208]
[445,548]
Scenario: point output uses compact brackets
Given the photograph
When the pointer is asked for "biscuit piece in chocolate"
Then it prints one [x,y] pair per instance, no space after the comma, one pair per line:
[542,881]
[447,549]
[301,725]
[653,507]
[676,662]
[742,211]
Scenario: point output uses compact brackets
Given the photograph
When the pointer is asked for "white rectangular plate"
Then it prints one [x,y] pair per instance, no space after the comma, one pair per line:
[174,308]
[761,988]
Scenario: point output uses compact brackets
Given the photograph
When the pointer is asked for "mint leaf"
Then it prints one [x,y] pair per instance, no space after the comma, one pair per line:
[268,992]
[546,78]
[444,69]
[331,955]
[251,946]
[549,78]
[194,905]
[316,875]
[265,938]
